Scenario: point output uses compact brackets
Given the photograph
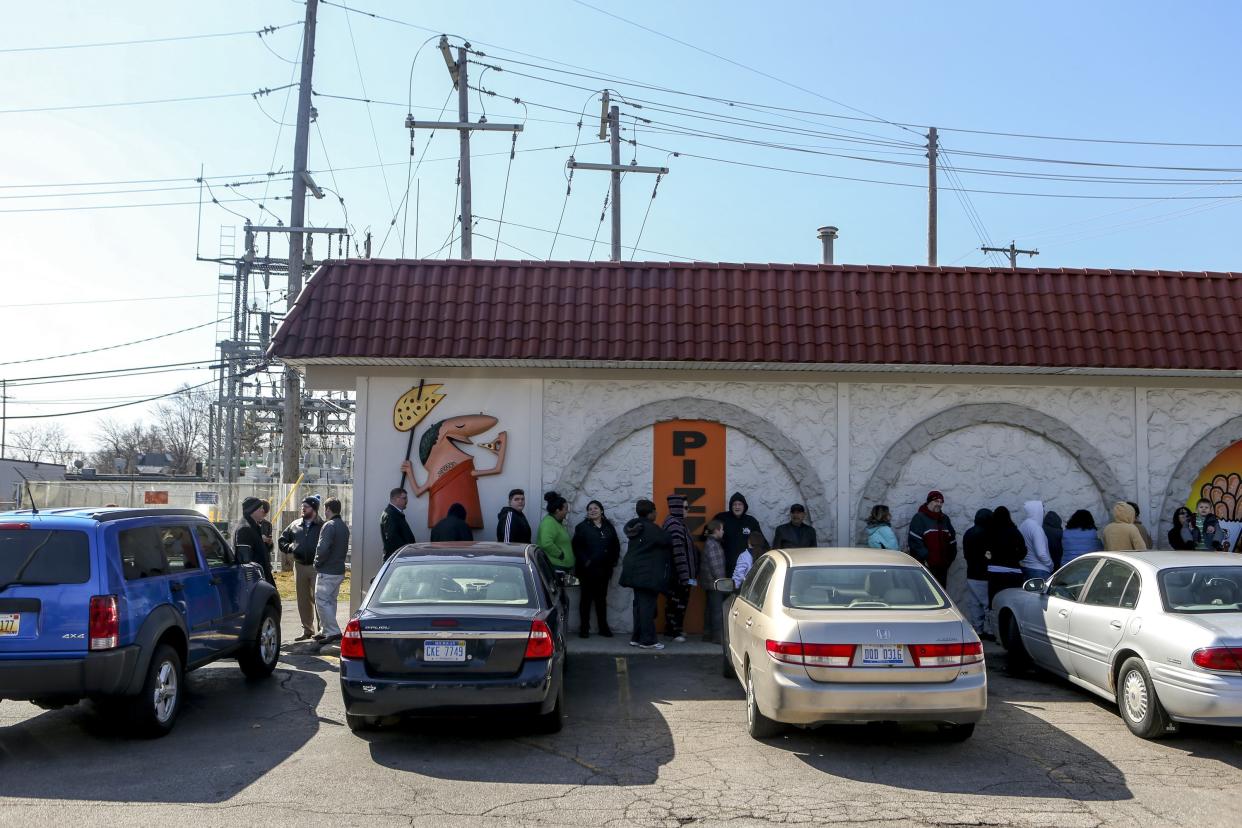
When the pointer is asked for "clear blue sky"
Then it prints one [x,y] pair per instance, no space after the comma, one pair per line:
[1139,71]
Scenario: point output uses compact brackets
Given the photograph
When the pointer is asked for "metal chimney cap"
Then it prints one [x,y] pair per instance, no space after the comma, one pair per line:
[829,231]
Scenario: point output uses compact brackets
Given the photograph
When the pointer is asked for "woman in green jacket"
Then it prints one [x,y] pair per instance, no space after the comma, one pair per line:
[553,537]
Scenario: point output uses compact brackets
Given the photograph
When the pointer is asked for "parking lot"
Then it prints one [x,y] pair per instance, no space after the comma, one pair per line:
[650,740]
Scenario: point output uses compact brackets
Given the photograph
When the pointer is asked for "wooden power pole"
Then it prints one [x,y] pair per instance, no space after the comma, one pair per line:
[1012,252]
[932,147]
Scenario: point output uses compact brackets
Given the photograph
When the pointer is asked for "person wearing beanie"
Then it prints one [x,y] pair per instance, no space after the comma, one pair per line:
[395,531]
[797,533]
[738,525]
[250,533]
[932,541]
[298,541]
[453,526]
[646,569]
[552,536]
[685,568]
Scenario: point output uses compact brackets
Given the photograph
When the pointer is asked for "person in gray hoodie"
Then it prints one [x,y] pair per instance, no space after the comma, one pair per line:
[330,554]
[1038,561]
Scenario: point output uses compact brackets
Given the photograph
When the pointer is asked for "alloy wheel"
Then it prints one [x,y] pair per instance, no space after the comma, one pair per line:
[165,693]
[268,640]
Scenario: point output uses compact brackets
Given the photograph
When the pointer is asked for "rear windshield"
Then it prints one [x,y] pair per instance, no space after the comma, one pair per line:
[862,587]
[31,556]
[440,582]
[1197,589]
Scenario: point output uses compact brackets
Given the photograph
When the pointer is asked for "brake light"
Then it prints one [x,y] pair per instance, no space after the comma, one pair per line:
[811,655]
[1221,659]
[445,622]
[8,526]
[946,655]
[351,640]
[104,629]
[539,645]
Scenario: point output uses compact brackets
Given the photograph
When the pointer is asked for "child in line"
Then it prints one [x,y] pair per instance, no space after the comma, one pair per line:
[757,546]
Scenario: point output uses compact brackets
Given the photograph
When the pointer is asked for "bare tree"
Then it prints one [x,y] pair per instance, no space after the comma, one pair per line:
[126,442]
[181,423]
[43,443]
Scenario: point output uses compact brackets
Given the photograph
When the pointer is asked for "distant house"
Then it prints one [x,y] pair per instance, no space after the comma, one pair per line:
[11,480]
[156,462]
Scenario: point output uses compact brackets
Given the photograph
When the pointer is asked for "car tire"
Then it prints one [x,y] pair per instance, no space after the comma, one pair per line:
[153,711]
[258,658]
[1018,659]
[361,724]
[758,725]
[553,721]
[1138,703]
[957,732]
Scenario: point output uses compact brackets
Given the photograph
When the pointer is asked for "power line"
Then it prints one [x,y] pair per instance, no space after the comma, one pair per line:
[181,390]
[108,373]
[370,117]
[586,238]
[7,306]
[68,107]
[127,206]
[266,30]
[113,347]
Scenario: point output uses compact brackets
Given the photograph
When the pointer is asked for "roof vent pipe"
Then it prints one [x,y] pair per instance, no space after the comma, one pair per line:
[827,235]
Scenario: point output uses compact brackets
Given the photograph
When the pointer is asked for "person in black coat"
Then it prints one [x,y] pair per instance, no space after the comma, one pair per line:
[250,533]
[647,569]
[975,550]
[596,552]
[395,531]
[738,525]
[453,526]
[511,524]
[1007,548]
[797,533]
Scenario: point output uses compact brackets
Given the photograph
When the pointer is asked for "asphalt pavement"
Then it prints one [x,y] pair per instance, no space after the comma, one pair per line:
[651,739]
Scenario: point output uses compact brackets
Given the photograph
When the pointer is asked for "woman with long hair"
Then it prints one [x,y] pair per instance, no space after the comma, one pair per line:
[1007,549]
[552,537]
[597,548]
[1079,537]
[880,534]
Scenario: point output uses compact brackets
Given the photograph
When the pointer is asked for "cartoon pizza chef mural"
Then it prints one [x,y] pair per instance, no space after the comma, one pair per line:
[451,476]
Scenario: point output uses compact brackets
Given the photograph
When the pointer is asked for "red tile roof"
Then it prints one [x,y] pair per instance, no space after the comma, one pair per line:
[357,310]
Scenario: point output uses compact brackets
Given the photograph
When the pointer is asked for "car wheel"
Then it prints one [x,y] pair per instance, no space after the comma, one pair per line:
[361,724]
[154,710]
[258,658]
[957,732]
[1141,709]
[553,721]
[1019,660]
[758,725]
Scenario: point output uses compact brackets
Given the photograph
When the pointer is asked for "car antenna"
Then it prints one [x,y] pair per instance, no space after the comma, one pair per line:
[34,510]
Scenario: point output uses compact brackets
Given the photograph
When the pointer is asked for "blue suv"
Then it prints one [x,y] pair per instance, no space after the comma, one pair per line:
[115,605]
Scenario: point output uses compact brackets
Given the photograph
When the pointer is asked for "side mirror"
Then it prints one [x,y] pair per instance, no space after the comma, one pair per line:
[1035,585]
[244,554]
[725,585]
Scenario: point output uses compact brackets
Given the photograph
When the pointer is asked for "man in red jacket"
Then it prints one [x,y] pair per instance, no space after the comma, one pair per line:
[932,539]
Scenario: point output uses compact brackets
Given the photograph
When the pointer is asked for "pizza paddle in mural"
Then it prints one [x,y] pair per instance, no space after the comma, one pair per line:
[451,475]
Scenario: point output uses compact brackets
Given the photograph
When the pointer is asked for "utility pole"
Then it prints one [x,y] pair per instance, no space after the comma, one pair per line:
[1012,252]
[932,147]
[457,70]
[610,118]
[291,445]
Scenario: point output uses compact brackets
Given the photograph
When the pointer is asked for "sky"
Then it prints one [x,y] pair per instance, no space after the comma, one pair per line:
[762,138]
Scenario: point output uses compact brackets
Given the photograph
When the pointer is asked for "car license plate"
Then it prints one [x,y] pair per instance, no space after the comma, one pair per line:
[9,623]
[444,651]
[883,655]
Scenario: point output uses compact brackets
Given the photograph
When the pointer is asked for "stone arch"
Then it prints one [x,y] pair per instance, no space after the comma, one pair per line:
[787,453]
[889,469]
[1202,452]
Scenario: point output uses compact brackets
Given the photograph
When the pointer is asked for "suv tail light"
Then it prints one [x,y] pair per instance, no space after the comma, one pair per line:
[351,641]
[1221,659]
[811,655]
[104,629]
[947,655]
[539,645]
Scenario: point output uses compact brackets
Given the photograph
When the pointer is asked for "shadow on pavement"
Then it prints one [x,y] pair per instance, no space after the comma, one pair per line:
[229,733]
[615,732]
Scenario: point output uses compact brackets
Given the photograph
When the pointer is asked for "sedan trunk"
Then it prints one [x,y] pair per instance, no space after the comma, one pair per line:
[430,644]
[883,642]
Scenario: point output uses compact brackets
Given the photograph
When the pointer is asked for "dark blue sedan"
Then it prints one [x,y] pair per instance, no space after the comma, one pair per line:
[457,629]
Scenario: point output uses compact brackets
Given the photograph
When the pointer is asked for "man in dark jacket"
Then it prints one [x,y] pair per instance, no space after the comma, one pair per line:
[975,550]
[394,528]
[685,568]
[250,533]
[737,528]
[298,541]
[511,524]
[797,533]
[330,553]
[646,569]
[932,539]
[453,527]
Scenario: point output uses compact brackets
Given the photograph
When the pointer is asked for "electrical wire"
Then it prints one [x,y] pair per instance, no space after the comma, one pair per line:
[266,30]
[115,406]
[410,177]
[113,347]
[70,107]
[569,177]
[584,238]
[646,213]
[220,201]
[7,306]
[370,116]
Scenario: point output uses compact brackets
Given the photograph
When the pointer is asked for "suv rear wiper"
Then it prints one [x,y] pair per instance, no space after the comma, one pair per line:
[21,570]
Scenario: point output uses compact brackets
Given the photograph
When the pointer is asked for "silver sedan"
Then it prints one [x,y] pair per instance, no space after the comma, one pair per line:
[850,635]
[1158,633]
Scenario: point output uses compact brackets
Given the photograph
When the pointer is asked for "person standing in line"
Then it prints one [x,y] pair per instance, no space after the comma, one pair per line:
[553,537]
[265,529]
[1053,531]
[975,550]
[511,525]
[250,533]
[596,552]
[1038,561]
[797,533]
[395,531]
[453,526]
[738,525]
[746,561]
[880,534]
[1122,535]
[646,569]
[1138,524]
[685,568]
[712,569]
[330,553]
[1080,536]
[298,542]
[1007,549]
[932,541]
[1179,532]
